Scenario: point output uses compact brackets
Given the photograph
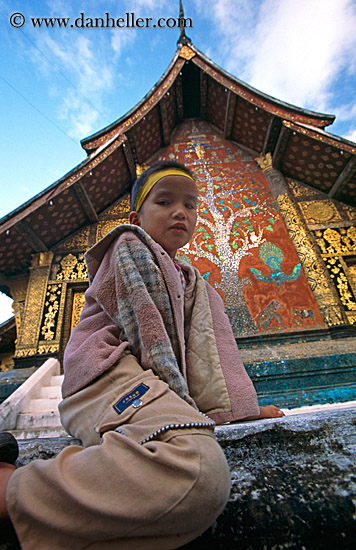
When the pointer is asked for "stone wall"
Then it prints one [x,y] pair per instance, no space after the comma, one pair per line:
[293,483]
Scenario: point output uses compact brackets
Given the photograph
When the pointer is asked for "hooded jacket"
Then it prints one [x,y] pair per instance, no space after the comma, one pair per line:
[135,302]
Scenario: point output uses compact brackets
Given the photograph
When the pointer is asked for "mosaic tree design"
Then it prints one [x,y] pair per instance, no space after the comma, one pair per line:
[241,244]
[234,216]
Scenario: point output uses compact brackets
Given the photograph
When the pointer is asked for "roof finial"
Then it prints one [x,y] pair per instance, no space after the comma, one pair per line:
[183,38]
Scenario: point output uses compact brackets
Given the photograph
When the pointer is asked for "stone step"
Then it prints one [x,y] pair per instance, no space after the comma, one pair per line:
[41,405]
[51,392]
[38,420]
[57,380]
[34,433]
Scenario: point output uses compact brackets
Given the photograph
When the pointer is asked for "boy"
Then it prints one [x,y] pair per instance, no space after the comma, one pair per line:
[152,349]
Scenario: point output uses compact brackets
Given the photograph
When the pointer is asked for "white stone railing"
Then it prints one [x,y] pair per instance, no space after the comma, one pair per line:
[19,400]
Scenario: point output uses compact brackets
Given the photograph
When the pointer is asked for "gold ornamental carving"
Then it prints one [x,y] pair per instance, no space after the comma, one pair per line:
[104,227]
[32,316]
[72,268]
[140,168]
[351,318]
[18,289]
[77,308]
[42,259]
[338,248]
[337,242]
[265,161]
[320,212]
[299,190]
[187,53]
[122,207]
[346,296]
[26,352]
[78,241]
[46,349]
[315,269]
[351,212]
[49,323]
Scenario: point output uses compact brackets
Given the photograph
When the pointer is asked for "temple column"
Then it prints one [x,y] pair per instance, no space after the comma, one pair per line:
[315,270]
[18,288]
[28,335]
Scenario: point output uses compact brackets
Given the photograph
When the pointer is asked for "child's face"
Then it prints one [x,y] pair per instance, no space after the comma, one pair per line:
[169,213]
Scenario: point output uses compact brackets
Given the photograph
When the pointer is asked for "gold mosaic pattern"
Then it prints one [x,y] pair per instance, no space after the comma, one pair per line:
[104,227]
[299,190]
[338,248]
[120,208]
[77,241]
[314,268]
[51,308]
[77,308]
[320,212]
[72,268]
[350,211]
[30,327]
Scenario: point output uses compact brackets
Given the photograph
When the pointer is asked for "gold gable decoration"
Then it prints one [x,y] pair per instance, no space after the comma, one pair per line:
[186,53]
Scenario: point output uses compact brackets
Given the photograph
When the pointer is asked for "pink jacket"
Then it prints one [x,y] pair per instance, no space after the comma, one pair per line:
[209,358]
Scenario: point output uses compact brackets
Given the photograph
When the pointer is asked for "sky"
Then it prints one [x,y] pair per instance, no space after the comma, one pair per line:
[59,85]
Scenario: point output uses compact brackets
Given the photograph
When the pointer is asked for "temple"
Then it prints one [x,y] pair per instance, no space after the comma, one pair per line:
[276,231]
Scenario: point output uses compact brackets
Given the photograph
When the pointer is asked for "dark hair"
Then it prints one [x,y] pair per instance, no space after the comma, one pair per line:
[161,165]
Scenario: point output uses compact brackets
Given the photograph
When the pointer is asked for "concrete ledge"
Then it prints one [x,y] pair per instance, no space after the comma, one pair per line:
[293,483]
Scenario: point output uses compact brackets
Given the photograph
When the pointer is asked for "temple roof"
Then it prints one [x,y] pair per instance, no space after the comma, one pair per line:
[192,87]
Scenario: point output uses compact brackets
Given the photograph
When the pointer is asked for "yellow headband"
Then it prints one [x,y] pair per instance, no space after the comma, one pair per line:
[153,179]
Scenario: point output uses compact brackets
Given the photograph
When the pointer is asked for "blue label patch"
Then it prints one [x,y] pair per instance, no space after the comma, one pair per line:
[129,398]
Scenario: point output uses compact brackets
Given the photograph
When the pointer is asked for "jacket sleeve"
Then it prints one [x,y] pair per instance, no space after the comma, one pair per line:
[242,394]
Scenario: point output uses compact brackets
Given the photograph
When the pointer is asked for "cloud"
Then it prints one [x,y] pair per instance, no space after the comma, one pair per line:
[80,117]
[5,307]
[291,50]
[300,47]
[120,40]
[78,79]
[351,136]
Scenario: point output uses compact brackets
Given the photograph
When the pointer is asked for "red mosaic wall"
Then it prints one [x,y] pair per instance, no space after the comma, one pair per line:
[241,245]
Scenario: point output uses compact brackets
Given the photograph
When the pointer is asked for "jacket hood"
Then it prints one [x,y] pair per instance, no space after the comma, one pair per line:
[93,257]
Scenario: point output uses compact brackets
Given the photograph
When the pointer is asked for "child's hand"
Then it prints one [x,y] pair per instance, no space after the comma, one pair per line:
[271,411]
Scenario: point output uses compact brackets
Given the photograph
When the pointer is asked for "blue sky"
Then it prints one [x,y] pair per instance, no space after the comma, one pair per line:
[59,85]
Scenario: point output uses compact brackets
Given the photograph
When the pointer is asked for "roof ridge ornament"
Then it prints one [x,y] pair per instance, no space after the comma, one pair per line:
[265,161]
[183,38]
